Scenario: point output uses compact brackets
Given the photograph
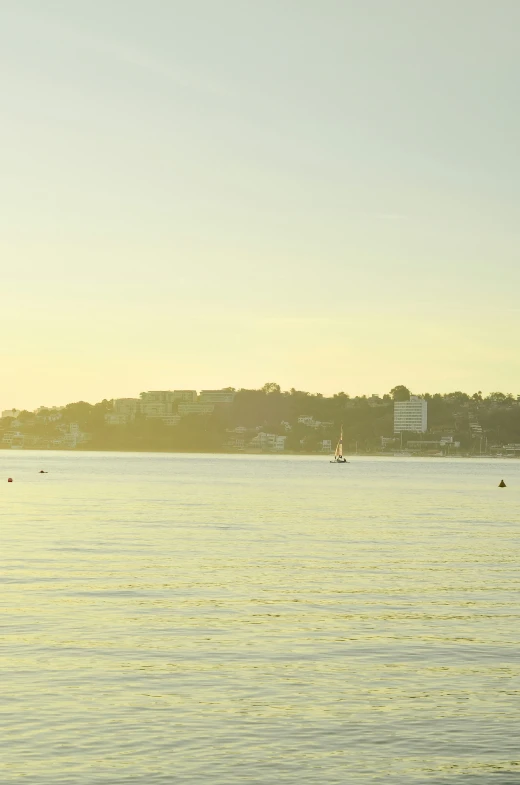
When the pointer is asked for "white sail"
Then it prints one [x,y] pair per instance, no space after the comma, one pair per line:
[339,447]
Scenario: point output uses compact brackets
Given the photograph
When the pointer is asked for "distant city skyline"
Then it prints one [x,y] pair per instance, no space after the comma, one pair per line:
[325,195]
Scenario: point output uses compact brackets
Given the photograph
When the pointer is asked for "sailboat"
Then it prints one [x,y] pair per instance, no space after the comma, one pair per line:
[338,455]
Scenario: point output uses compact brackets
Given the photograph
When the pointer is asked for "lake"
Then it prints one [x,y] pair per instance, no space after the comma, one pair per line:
[258,619]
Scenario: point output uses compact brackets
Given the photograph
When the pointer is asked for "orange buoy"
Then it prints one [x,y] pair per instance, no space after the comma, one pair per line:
[502,484]
[10,479]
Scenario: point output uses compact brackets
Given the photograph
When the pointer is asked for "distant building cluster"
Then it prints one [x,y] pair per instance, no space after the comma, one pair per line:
[167,405]
[170,406]
[269,422]
[241,438]
[68,435]
[310,422]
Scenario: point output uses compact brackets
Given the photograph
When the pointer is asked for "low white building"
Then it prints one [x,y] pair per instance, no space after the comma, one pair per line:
[411,416]
[11,413]
[72,435]
[237,437]
[155,410]
[186,396]
[49,414]
[310,422]
[112,418]
[195,408]
[387,441]
[127,407]
[235,442]
[155,403]
[430,444]
[278,442]
[216,396]
[13,437]
[171,419]
[269,441]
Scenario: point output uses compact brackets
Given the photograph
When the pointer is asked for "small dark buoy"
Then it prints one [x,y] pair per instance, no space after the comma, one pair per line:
[502,484]
[9,479]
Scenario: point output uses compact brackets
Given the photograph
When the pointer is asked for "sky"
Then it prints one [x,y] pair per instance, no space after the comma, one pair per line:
[200,194]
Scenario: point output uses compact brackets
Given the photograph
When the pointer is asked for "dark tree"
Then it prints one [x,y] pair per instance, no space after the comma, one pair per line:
[400,393]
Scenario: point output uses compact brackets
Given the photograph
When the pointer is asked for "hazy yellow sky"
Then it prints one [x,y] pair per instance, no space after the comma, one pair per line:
[322,194]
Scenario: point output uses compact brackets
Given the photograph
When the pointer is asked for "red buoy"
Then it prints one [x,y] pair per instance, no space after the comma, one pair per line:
[10,479]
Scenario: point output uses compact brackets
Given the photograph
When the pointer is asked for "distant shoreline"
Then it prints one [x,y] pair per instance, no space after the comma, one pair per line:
[83,449]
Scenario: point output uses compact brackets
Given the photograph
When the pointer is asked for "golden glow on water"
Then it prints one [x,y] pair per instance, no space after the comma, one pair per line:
[261,620]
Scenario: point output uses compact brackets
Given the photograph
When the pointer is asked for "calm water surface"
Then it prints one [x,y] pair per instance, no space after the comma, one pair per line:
[225,619]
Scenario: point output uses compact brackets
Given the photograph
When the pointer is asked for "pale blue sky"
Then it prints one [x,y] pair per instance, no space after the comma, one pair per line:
[324,194]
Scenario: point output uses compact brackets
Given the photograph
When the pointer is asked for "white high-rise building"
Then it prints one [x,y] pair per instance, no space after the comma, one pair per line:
[411,415]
